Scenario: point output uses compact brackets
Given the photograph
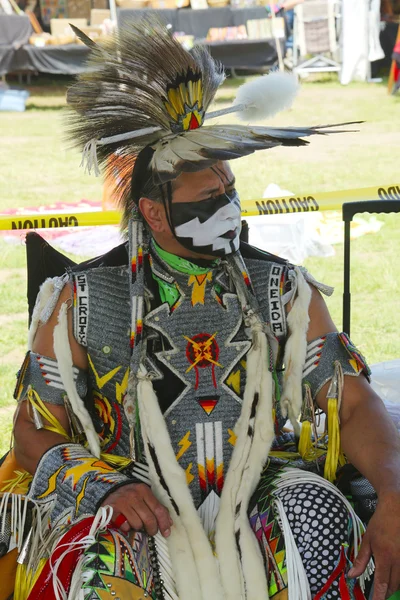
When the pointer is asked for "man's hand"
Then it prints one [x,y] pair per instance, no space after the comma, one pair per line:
[382,541]
[138,504]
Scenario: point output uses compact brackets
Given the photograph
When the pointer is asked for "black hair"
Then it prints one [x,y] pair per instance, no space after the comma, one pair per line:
[143,185]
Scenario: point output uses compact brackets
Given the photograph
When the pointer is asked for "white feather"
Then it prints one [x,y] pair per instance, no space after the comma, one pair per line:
[266,96]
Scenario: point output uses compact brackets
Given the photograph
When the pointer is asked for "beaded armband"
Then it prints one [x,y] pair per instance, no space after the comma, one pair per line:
[322,355]
[74,481]
[39,381]
[328,358]
[41,374]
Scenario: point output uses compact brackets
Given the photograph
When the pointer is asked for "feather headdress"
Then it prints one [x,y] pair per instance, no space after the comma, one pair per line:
[144,90]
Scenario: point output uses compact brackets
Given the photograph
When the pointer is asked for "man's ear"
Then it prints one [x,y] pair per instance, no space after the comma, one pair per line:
[154,214]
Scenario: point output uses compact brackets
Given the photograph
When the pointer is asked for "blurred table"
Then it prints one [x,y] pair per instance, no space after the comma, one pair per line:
[58,60]
[246,54]
[197,22]
[71,59]
[15,30]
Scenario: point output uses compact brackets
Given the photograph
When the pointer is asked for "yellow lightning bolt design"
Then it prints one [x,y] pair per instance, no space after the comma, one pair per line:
[205,345]
[233,437]
[234,381]
[120,388]
[199,283]
[101,381]
[189,475]
[184,444]
[76,472]
[202,352]
[52,483]
[87,465]
[354,364]
[201,357]
[194,344]
[81,495]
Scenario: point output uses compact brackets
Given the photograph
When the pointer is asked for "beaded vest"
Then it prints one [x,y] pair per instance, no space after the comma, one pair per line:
[196,344]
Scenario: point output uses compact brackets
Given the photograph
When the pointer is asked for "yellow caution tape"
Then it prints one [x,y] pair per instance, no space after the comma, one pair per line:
[250,208]
[56,220]
[317,202]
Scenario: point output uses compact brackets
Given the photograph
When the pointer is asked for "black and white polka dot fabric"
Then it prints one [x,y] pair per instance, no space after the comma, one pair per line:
[319,523]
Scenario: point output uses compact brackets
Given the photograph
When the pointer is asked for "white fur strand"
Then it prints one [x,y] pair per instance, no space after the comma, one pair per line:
[62,350]
[247,461]
[50,289]
[295,351]
[267,95]
[253,567]
[190,550]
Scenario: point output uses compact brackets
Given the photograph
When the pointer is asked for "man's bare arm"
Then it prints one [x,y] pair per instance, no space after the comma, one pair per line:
[291,4]
[134,500]
[372,444]
[369,437]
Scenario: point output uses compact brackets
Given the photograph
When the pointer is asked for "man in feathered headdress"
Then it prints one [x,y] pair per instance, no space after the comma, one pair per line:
[159,378]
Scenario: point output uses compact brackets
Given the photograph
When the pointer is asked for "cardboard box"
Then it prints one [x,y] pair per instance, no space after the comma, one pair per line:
[259,29]
[60,27]
[265,29]
[133,3]
[161,4]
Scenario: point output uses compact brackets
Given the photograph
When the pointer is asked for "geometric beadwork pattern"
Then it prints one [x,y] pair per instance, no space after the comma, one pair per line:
[114,568]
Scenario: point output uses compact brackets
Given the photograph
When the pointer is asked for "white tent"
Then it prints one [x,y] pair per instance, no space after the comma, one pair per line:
[360,39]
[340,35]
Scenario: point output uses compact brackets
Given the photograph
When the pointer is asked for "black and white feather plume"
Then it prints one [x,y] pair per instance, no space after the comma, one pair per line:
[143,89]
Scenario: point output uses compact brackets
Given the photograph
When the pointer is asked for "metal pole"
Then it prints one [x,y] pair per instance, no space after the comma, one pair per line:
[346,279]
[113,12]
[277,41]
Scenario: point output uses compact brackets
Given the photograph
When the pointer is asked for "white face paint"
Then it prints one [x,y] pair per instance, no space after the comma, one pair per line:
[210,226]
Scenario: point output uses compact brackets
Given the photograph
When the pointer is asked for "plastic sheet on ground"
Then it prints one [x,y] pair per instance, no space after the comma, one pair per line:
[297,236]
[386,381]
[85,242]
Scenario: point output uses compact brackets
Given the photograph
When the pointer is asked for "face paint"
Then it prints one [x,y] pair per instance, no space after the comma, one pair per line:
[210,226]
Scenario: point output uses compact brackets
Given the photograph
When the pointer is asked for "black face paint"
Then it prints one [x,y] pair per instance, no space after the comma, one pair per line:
[210,226]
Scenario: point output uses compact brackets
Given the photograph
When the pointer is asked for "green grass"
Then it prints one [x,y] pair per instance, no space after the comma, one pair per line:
[13,319]
[375,285]
[37,168]
[13,329]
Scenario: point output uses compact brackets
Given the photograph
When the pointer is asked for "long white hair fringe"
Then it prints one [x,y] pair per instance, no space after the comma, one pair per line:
[245,576]
[195,567]
[295,350]
[46,301]
[62,351]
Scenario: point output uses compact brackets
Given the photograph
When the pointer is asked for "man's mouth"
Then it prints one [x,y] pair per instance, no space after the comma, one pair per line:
[230,235]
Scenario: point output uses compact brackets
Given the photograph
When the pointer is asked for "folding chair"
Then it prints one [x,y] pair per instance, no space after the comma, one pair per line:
[349,210]
[315,34]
